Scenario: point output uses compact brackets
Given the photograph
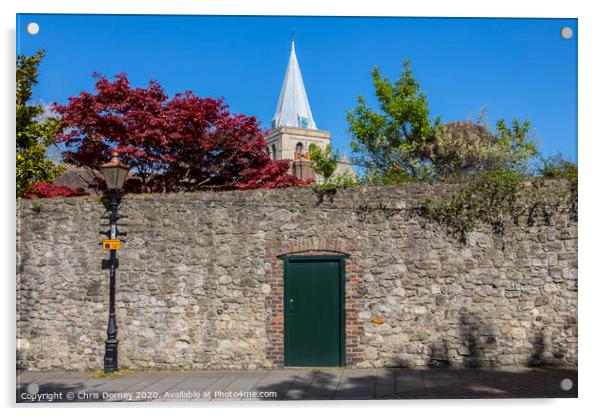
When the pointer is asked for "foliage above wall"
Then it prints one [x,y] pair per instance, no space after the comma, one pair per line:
[35,132]
[496,198]
[185,143]
[556,166]
[400,143]
[337,183]
[462,148]
[49,190]
[323,162]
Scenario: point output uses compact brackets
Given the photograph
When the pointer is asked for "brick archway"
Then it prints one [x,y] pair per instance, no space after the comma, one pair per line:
[275,299]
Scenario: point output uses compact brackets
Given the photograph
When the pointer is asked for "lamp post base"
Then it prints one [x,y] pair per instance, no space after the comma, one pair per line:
[111,356]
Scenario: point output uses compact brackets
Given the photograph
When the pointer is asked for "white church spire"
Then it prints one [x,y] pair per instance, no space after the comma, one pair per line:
[293,107]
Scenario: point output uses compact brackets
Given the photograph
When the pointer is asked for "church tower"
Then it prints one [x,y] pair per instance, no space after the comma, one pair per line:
[293,126]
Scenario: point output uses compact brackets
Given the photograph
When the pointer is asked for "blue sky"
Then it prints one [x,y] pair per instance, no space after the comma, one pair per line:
[516,67]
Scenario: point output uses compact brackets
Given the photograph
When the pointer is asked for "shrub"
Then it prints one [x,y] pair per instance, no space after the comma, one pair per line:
[336,183]
[48,190]
[557,167]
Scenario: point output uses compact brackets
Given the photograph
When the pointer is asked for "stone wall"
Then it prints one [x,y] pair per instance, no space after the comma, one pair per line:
[199,283]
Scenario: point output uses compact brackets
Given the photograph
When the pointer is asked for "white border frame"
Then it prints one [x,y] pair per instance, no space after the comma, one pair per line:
[589,151]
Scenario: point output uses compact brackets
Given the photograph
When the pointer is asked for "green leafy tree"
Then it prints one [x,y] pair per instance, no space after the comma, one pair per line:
[385,142]
[34,131]
[323,162]
[515,144]
[400,143]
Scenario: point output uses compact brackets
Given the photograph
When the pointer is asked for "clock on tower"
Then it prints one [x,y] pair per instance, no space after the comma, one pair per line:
[303,122]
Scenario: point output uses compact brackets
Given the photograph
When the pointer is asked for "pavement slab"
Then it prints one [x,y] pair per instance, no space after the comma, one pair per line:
[240,387]
[440,374]
[215,390]
[359,384]
[298,384]
[385,381]
[276,383]
[324,385]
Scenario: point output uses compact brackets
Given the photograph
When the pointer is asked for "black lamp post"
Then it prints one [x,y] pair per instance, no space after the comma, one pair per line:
[114,173]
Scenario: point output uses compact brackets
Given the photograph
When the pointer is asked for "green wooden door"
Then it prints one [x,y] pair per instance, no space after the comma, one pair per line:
[314,312]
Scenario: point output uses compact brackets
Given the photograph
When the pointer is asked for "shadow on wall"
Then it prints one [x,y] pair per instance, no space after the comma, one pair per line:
[546,356]
[537,352]
[480,341]
[439,355]
[470,325]
[478,344]
[478,347]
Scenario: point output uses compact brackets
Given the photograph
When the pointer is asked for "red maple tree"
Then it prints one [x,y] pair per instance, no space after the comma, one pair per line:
[185,143]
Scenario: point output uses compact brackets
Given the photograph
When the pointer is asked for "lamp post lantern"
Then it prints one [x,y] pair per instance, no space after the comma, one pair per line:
[114,173]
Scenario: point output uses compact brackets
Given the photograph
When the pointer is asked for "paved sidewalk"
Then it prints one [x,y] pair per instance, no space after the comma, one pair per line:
[297,384]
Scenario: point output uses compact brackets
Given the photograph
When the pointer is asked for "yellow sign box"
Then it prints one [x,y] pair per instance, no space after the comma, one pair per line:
[111,244]
[378,320]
